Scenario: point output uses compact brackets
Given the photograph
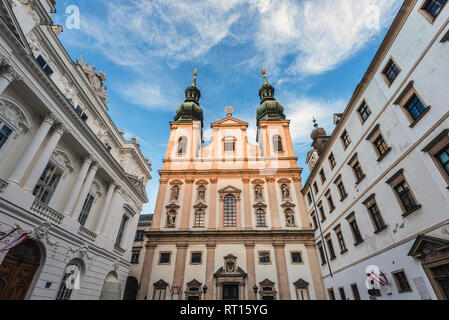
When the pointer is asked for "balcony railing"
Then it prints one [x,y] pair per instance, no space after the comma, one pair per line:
[119,250]
[46,212]
[86,233]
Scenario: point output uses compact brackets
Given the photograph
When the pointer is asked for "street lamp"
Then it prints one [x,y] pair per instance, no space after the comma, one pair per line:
[255,288]
[204,291]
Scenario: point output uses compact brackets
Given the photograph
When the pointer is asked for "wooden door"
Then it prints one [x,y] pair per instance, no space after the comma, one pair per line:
[17,271]
[441,276]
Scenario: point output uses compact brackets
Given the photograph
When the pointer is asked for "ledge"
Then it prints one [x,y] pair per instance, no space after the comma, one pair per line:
[86,233]
[46,212]
[119,250]
[420,117]
[381,229]
[415,208]
[384,155]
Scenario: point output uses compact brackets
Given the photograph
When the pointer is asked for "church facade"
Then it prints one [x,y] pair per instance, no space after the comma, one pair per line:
[230,221]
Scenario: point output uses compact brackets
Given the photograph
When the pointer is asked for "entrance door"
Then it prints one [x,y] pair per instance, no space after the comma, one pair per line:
[441,276]
[18,269]
[230,292]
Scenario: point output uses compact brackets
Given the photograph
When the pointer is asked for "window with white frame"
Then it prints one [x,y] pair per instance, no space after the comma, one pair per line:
[48,182]
[87,206]
[121,231]
[5,133]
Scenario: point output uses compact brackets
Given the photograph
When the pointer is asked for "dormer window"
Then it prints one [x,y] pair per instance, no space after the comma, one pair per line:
[182,145]
[44,65]
[277,143]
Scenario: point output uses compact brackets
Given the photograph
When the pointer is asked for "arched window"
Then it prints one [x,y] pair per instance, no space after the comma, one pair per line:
[260,218]
[182,145]
[277,143]
[230,211]
[199,218]
[70,280]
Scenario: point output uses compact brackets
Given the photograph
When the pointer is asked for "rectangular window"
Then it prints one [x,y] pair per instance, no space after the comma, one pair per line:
[354,229]
[375,214]
[341,240]
[342,293]
[315,222]
[415,107]
[331,294]
[320,208]
[135,256]
[401,281]
[433,7]
[315,187]
[164,258]
[196,258]
[121,231]
[330,202]
[139,235]
[364,112]
[322,176]
[322,255]
[309,197]
[5,133]
[345,139]
[332,161]
[159,293]
[438,150]
[41,61]
[47,184]
[264,257]
[229,146]
[390,72]
[296,257]
[341,188]
[356,168]
[380,145]
[88,203]
[330,247]
[355,291]
[403,193]
[443,159]
[260,218]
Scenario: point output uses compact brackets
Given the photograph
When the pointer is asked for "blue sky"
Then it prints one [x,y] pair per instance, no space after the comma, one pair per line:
[315,53]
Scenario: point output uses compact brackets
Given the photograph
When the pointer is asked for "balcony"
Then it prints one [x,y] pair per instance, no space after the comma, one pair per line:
[87,234]
[47,213]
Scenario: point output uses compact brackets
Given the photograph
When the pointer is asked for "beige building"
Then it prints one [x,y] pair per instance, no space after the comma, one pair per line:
[68,179]
[378,190]
[230,216]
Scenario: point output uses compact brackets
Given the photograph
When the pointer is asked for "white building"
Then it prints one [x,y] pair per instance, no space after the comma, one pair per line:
[380,181]
[68,178]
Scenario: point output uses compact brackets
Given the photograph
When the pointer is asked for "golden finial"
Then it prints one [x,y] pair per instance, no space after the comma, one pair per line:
[264,72]
[195,74]
[229,110]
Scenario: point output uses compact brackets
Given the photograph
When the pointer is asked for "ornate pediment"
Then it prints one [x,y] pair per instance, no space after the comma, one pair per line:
[284,180]
[301,284]
[260,205]
[266,282]
[176,183]
[288,204]
[229,122]
[62,159]
[427,245]
[172,206]
[14,115]
[258,181]
[230,190]
[202,182]
[160,284]
[96,189]
[222,272]
[200,206]
[194,283]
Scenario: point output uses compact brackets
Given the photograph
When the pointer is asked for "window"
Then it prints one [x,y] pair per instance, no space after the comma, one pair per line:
[355,291]
[322,176]
[356,168]
[5,133]
[135,256]
[443,158]
[65,293]
[199,219]
[139,235]
[41,61]
[86,209]
[309,197]
[403,193]
[81,113]
[390,72]
[341,240]
[330,202]
[264,257]
[315,187]
[364,112]
[164,258]
[342,293]
[296,257]
[229,144]
[438,150]
[331,294]
[432,8]
[160,290]
[47,184]
[345,139]
[354,229]
[315,222]
[277,144]
[412,104]
[330,247]
[375,215]
[322,255]
[320,208]
[380,146]
[401,281]
[230,211]
[260,218]
[121,231]
[332,161]
[182,145]
[415,107]
[341,188]
[196,258]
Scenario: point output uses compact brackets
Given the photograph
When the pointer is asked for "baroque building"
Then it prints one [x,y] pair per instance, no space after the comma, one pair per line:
[230,221]
[71,186]
[378,194]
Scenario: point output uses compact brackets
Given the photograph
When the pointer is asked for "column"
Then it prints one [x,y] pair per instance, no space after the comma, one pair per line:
[7,75]
[31,150]
[213,204]
[274,209]
[68,209]
[187,204]
[318,285]
[104,211]
[109,218]
[44,157]
[146,271]
[87,185]
[180,266]
[210,264]
[247,204]
[251,270]
[281,268]
[155,225]
[305,222]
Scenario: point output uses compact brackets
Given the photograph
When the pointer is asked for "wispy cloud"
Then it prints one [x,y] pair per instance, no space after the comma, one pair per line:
[145,95]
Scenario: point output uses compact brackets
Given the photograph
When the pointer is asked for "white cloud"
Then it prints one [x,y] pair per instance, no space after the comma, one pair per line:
[145,95]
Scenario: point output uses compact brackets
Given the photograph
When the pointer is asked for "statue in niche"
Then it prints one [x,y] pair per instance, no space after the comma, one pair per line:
[290,218]
[171,219]
[175,193]
[201,193]
[258,191]
[285,191]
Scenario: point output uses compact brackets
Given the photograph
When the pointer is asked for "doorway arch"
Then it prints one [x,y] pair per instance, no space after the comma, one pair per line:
[111,287]
[18,270]
[131,288]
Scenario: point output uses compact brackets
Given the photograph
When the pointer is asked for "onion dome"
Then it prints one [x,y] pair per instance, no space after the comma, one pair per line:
[317,132]
[190,109]
[269,109]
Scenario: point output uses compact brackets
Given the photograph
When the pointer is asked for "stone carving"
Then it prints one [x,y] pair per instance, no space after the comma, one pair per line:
[285,191]
[258,192]
[175,193]
[81,252]
[116,265]
[14,116]
[96,79]
[290,218]
[202,193]
[62,160]
[96,189]
[230,263]
[171,219]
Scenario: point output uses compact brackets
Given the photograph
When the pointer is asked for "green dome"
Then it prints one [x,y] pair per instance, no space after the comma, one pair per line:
[269,108]
[190,109]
